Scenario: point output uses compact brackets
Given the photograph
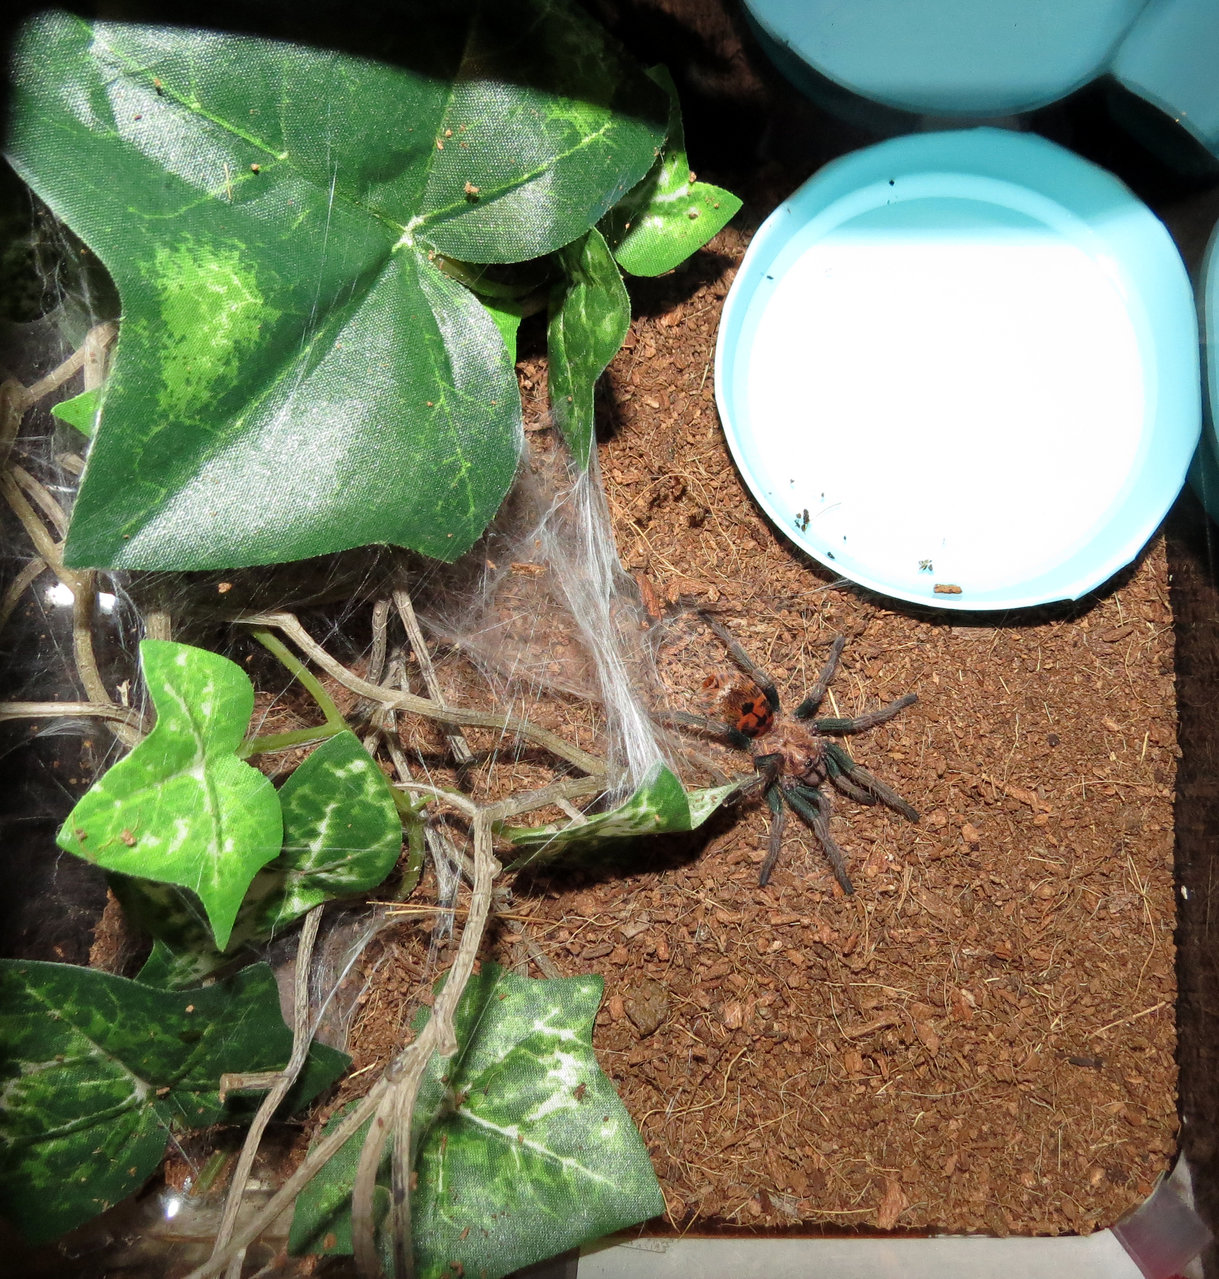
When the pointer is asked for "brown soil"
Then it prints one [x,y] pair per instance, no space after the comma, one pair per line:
[982,1037]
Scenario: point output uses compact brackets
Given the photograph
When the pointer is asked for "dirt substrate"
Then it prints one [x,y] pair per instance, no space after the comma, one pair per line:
[982,1037]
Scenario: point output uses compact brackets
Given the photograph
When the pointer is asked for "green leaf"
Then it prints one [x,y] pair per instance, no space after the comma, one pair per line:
[669,215]
[659,806]
[524,1149]
[182,808]
[294,376]
[80,411]
[588,321]
[342,836]
[508,321]
[97,1071]
[172,969]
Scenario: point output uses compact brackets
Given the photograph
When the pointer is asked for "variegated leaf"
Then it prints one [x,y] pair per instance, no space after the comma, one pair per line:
[181,808]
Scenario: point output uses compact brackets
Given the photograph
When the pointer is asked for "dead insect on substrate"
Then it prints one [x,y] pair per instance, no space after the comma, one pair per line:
[804,756]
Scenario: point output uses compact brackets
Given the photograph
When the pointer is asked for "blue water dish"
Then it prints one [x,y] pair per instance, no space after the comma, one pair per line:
[961,369]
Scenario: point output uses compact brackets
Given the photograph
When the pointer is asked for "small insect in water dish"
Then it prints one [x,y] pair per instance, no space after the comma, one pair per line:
[803,756]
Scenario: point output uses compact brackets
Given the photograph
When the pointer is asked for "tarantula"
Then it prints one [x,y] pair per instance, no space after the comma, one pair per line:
[804,758]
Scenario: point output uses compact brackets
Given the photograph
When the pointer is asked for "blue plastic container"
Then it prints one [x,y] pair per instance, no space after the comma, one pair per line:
[961,369]
[949,57]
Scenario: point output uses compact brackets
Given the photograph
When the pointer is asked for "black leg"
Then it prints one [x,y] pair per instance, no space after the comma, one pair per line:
[869,719]
[712,727]
[838,768]
[778,819]
[818,690]
[813,807]
[743,660]
[851,778]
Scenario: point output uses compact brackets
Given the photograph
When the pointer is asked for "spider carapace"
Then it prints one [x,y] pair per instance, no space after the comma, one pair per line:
[802,754]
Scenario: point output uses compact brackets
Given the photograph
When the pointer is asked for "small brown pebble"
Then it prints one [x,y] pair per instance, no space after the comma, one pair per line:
[647,1006]
[927,1036]
[947,588]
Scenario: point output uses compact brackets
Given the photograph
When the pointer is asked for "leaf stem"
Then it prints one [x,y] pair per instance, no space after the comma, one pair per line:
[271,742]
[334,721]
[480,281]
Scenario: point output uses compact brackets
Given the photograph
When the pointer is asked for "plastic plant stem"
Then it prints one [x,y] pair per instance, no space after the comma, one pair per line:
[395,1112]
[211,1171]
[334,721]
[57,710]
[287,741]
[406,611]
[301,1038]
[414,847]
[286,1195]
[475,278]
[289,625]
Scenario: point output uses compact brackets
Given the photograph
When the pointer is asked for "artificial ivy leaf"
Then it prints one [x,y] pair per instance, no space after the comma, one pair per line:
[669,215]
[172,969]
[80,411]
[508,320]
[660,805]
[294,375]
[523,1147]
[97,1071]
[342,836]
[181,808]
[589,318]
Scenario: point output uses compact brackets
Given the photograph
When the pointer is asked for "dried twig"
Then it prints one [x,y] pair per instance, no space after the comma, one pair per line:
[406,611]
[288,624]
[301,1038]
[18,587]
[124,715]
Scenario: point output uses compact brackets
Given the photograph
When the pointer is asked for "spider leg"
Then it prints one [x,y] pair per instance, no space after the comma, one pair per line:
[838,768]
[713,727]
[813,807]
[774,801]
[818,690]
[869,719]
[768,767]
[855,780]
[743,660]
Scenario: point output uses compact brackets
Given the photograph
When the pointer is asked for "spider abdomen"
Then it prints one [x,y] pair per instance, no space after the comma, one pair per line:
[745,707]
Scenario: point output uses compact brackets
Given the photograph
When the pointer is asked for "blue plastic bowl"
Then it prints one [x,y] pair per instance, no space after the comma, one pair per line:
[948,57]
[1169,59]
[961,369]
[1204,474]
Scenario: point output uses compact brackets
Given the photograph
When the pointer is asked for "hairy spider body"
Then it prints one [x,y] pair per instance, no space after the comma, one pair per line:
[802,755]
